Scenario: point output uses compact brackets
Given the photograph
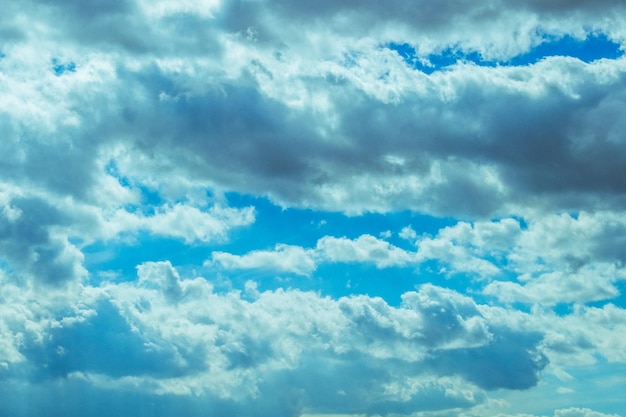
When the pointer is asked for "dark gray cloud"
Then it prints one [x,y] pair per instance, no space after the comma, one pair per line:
[28,244]
[103,344]
[509,361]
[535,146]
[218,106]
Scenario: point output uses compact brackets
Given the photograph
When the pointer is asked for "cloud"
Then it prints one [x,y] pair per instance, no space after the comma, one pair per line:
[545,260]
[587,328]
[408,233]
[365,248]
[449,176]
[29,241]
[183,221]
[283,258]
[123,122]
[41,235]
[230,120]
[548,259]
[160,275]
[329,249]
[184,339]
[569,412]
[103,343]
[580,412]
[585,285]
[513,362]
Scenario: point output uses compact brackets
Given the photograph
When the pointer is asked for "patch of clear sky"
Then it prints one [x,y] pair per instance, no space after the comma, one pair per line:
[302,227]
[592,48]
[60,68]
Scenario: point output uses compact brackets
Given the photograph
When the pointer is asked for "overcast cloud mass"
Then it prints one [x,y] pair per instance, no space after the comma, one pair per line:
[283,208]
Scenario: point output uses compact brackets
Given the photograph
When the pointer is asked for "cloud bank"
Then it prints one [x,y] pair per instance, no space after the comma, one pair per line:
[466,158]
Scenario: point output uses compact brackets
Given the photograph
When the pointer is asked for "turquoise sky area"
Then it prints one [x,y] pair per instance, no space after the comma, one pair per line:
[256,208]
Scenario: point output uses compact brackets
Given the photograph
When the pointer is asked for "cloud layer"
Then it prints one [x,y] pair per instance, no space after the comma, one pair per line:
[232,95]
[142,145]
[173,336]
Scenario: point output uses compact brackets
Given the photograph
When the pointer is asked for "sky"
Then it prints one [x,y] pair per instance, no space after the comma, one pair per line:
[317,209]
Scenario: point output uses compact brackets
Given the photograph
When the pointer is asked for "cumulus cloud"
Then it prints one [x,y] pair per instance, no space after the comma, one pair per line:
[365,248]
[571,337]
[585,285]
[546,259]
[408,233]
[162,276]
[121,120]
[580,412]
[230,119]
[30,243]
[283,258]
[185,339]
[185,222]
[41,235]
[329,249]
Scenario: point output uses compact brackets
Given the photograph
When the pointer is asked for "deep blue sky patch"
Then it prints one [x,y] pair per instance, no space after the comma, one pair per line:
[592,48]
[60,68]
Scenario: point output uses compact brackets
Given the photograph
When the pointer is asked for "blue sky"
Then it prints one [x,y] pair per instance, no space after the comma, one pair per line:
[284,208]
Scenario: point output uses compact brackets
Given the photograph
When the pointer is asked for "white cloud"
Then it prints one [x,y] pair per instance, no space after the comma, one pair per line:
[603,326]
[186,340]
[365,248]
[329,249]
[11,322]
[192,224]
[590,283]
[581,412]
[299,88]
[283,258]
[548,259]
[408,233]
[180,221]
[459,247]
[160,275]
[553,259]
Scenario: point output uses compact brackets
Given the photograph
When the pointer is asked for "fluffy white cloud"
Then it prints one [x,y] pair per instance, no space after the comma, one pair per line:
[570,412]
[329,249]
[548,259]
[178,337]
[585,328]
[283,258]
[589,283]
[183,221]
[408,233]
[160,275]
[42,234]
[365,248]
